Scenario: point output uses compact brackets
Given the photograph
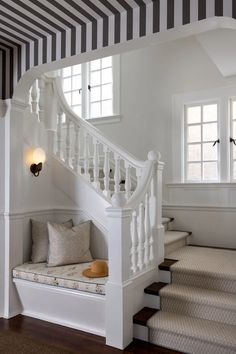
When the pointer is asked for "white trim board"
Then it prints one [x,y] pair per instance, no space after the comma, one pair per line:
[53,211]
[199,208]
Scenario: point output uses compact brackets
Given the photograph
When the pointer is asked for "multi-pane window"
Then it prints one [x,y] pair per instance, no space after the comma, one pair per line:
[89,88]
[232,139]
[101,92]
[201,142]
[72,87]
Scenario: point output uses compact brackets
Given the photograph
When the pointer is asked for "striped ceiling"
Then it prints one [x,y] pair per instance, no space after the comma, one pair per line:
[34,32]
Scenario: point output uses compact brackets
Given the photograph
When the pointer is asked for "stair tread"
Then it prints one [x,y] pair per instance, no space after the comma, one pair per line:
[166,265]
[166,220]
[215,263]
[205,330]
[144,315]
[154,288]
[199,295]
[173,236]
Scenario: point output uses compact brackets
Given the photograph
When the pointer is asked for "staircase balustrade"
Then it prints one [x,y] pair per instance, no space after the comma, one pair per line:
[88,152]
[134,190]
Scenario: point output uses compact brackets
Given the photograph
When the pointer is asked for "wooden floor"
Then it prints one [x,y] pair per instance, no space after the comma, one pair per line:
[72,340]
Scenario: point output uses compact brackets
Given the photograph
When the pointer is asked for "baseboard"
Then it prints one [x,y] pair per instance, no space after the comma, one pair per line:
[11,314]
[69,324]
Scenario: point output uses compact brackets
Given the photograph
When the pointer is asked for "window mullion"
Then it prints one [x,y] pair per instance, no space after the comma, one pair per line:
[84,90]
[224,148]
[202,142]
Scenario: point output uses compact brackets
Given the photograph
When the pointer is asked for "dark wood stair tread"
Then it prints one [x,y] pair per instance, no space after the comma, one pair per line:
[188,232]
[167,264]
[154,288]
[143,316]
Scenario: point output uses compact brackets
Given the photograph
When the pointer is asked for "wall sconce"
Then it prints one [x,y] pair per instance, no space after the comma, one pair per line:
[38,159]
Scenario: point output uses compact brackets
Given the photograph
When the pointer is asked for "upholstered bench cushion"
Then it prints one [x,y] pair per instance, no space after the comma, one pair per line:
[69,276]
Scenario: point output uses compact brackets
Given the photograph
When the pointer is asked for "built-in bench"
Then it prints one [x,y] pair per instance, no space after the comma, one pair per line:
[68,276]
[62,295]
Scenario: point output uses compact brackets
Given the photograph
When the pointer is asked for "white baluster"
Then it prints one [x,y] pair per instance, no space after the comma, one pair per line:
[76,166]
[127,181]
[117,176]
[41,85]
[134,248]
[141,263]
[59,136]
[67,158]
[96,182]
[106,171]
[34,97]
[86,156]
[157,237]
[138,174]
[147,231]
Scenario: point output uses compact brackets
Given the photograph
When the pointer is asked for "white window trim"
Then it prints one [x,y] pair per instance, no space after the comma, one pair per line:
[223,95]
[116,116]
[185,158]
[232,98]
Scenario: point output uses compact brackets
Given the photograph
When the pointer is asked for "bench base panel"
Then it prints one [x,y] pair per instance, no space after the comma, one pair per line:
[66,307]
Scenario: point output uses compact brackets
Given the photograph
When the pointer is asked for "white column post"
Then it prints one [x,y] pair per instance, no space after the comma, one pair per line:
[156,208]
[34,97]
[119,299]
[41,102]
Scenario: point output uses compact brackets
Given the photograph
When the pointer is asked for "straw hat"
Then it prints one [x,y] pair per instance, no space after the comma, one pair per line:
[98,269]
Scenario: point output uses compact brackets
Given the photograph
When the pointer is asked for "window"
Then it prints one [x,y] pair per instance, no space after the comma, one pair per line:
[232,138]
[92,89]
[72,87]
[202,142]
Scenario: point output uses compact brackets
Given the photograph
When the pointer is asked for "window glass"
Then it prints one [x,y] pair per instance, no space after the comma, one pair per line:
[88,88]
[202,160]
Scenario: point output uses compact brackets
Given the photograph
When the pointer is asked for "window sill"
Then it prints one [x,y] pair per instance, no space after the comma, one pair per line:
[105,120]
[203,185]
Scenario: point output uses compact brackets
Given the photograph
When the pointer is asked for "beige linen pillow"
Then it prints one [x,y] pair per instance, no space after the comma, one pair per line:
[68,246]
[39,234]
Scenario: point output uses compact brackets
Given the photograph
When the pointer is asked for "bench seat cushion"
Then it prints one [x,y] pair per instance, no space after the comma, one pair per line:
[69,276]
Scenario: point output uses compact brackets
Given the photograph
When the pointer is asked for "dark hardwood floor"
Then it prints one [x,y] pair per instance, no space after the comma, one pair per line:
[72,340]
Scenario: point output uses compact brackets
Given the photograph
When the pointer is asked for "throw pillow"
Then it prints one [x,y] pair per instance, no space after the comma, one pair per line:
[39,234]
[68,246]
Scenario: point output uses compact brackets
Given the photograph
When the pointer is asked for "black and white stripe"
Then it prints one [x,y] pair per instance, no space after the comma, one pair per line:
[35,32]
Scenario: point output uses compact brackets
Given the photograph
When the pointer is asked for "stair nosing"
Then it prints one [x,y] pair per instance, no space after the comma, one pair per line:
[155,292]
[143,322]
[162,266]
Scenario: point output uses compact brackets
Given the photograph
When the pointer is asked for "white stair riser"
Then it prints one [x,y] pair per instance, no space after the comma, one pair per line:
[152,301]
[204,281]
[185,344]
[164,276]
[168,225]
[192,309]
[141,332]
[174,246]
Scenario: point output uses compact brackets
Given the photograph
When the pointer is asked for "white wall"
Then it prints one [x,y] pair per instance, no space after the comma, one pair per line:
[150,77]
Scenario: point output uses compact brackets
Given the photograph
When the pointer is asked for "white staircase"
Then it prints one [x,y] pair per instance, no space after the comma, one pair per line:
[198,309]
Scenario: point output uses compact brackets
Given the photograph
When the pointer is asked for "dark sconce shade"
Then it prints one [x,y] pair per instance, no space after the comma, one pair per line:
[38,158]
[36,168]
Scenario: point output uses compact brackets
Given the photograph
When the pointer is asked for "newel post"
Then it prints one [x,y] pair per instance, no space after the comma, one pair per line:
[156,207]
[119,301]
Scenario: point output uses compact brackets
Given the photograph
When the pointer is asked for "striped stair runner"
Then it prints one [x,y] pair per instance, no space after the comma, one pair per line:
[198,309]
